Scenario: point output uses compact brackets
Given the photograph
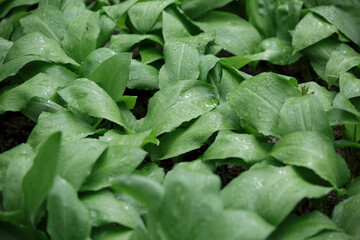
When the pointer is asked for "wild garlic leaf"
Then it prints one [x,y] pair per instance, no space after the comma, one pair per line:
[115,161]
[20,161]
[178,103]
[143,15]
[354,187]
[199,7]
[5,45]
[304,113]
[88,97]
[7,6]
[262,15]
[258,101]
[349,85]
[302,227]
[343,15]
[68,218]
[228,28]
[314,151]
[18,97]
[40,177]
[271,192]
[77,158]
[310,30]
[172,27]
[143,76]
[233,145]
[124,42]
[71,127]
[117,10]
[332,234]
[324,96]
[104,209]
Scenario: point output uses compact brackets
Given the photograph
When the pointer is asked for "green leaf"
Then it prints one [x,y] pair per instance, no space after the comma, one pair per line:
[68,218]
[287,16]
[107,27]
[349,85]
[346,214]
[104,208]
[118,10]
[86,96]
[152,171]
[124,42]
[343,103]
[304,113]
[38,45]
[38,105]
[7,6]
[343,15]
[10,231]
[258,101]
[233,145]
[310,30]
[228,28]
[18,97]
[77,158]
[113,137]
[314,151]
[5,45]
[184,140]
[80,38]
[20,160]
[302,227]
[261,15]
[152,54]
[94,60]
[178,103]
[112,233]
[331,235]
[196,8]
[354,187]
[39,179]
[181,63]
[143,15]
[115,161]
[71,127]
[324,96]
[47,20]
[172,27]
[143,76]
[113,79]
[269,191]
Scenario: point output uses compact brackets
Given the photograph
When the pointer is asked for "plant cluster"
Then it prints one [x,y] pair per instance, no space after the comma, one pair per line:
[121,91]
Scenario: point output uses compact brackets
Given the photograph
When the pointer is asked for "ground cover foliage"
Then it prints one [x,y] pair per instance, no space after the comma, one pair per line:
[168,119]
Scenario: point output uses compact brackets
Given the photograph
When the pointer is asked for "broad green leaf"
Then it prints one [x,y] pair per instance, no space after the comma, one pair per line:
[310,30]
[10,231]
[178,103]
[343,103]
[143,15]
[287,16]
[47,20]
[261,15]
[20,160]
[104,208]
[258,101]
[8,24]
[80,38]
[152,171]
[68,218]
[77,158]
[314,151]
[304,113]
[324,96]
[7,6]
[107,27]
[39,179]
[188,209]
[113,137]
[20,152]
[124,42]
[271,192]
[5,45]
[276,51]
[143,189]
[118,10]
[343,15]
[181,63]
[349,85]
[18,97]
[152,54]
[143,76]
[172,27]
[94,60]
[86,96]
[38,105]
[228,28]
[347,215]
[184,140]
[38,45]
[354,187]
[207,63]
[71,127]
[331,235]
[300,228]
[115,161]
[233,145]
[196,8]
[112,233]
[113,74]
